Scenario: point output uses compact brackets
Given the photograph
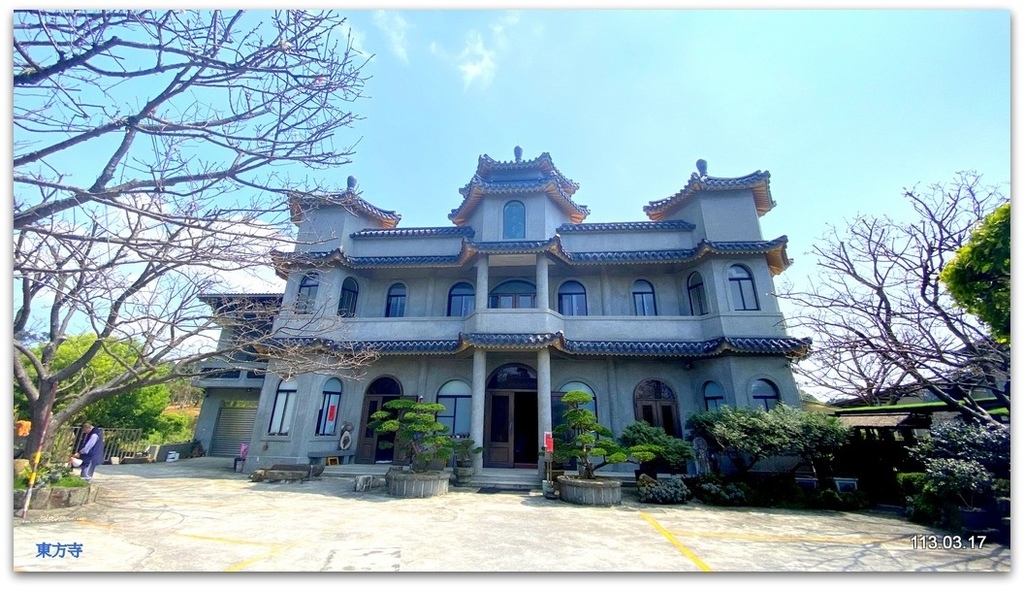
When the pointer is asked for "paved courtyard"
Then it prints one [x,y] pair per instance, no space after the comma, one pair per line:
[199,516]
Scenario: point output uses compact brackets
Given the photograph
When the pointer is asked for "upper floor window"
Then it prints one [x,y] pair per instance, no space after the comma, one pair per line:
[765,393]
[349,294]
[572,298]
[513,294]
[284,405]
[714,396]
[306,300]
[741,287]
[643,298]
[327,418]
[461,300]
[514,221]
[396,301]
[695,291]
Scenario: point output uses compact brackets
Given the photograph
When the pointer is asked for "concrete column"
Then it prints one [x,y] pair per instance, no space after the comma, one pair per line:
[542,282]
[476,426]
[481,283]
[543,395]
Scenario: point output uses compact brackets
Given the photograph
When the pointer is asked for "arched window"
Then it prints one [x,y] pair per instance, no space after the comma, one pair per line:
[695,290]
[714,395]
[643,298]
[514,221]
[655,403]
[558,407]
[327,418]
[284,405]
[306,300]
[572,298]
[349,294]
[764,393]
[456,396]
[396,301]
[741,287]
[513,294]
[461,300]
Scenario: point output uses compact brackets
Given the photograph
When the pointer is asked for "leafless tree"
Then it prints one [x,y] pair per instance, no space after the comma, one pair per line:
[883,324]
[151,159]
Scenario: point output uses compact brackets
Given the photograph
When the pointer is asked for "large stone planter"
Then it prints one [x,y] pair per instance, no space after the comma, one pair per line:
[589,492]
[56,497]
[417,484]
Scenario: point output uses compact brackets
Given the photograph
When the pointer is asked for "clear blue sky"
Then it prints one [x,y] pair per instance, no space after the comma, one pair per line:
[845,108]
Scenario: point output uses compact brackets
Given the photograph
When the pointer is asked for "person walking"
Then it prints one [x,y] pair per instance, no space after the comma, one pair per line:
[91,450]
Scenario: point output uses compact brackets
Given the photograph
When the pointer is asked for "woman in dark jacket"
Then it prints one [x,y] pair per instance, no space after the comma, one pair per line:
[91,450]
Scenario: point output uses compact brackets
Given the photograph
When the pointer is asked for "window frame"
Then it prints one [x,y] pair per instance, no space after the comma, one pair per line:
[516,298]
[570,300]
[701,295]
[309,287]
[349,297]
[641,298]
[764,399]
[326,424]
[464,297]
[395,304]
[737,290]
[284,407]
[719,398]
[507,226]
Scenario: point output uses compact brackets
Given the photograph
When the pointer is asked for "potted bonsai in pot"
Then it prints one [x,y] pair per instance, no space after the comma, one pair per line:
[464,449]
[583,438]
[422,439]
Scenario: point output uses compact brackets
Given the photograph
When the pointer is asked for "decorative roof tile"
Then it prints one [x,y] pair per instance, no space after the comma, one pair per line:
[512,247]
[628,226]
[510,341]
[350,199]
[403,261]
[678,255]
[412,232]
[758,182]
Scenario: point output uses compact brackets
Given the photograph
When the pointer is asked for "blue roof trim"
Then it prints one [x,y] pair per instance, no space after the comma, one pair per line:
[413,232]
[628,226]
[677,255]
[490,247]
[759,181]
[403,261]
[511,340]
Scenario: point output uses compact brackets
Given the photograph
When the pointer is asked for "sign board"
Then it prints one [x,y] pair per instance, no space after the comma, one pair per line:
[549,442]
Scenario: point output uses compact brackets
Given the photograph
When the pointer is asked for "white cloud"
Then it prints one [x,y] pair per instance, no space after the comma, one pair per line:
[476,62]
[394,27]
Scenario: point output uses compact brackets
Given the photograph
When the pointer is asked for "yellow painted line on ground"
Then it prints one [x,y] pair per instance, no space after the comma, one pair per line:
[222,539]
[783,538]
[247,563]
[95,524]
[668,536]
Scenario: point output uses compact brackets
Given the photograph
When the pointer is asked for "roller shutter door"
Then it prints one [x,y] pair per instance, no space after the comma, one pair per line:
[234,426]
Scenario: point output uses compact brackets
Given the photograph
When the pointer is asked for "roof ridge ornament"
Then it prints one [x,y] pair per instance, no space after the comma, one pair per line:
[702,168]
[518,151]
[352,183]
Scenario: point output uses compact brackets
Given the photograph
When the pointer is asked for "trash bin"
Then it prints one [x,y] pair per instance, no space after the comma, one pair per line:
[172,456]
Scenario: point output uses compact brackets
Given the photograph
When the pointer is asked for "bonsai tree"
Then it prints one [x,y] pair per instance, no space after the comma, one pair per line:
[464,449]
[583,438]
[673,453]
[417,432]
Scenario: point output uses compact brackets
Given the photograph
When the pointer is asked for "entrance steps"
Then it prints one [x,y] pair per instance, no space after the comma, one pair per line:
[506,479]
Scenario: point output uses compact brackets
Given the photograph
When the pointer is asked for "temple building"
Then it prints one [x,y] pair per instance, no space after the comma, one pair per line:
[516,302]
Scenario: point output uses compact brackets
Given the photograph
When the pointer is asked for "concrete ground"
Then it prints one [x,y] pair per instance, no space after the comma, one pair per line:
[198,515]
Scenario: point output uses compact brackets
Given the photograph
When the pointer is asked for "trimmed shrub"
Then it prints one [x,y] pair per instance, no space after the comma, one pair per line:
[664,491]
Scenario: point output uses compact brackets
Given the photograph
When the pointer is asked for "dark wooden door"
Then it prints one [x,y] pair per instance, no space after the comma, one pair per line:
[368,449]
[498,430]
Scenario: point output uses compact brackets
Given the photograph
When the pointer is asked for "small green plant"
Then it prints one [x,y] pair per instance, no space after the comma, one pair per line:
[667,491]
[418,434]
[464,449]
[671,452]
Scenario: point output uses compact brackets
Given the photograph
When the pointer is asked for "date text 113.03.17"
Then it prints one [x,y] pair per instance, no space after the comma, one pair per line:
[933,542]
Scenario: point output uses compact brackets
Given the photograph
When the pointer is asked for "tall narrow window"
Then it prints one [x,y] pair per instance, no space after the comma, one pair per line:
[643,298]
[396,301]
[513,294]
[572,298]
[284,404]
[765,393]
[695,290]
[514,220]
[456,396]
[306,300]
[349,294]
[461,300]
[741,287]
[714,396]
[327,418]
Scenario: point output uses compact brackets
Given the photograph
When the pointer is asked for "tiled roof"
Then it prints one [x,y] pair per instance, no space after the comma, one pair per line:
[403,261]
[628,226]
[512,247]
[519,177]
[776,346]
[350,199]
[414,232]
[678,255]
[758,182]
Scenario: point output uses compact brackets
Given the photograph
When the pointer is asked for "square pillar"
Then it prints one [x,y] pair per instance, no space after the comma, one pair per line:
[543,397]
[476,415]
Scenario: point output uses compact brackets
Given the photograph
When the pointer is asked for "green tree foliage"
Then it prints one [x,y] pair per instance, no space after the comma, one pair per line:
[747,436]
[581,437]
[978,278]
[418,434]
